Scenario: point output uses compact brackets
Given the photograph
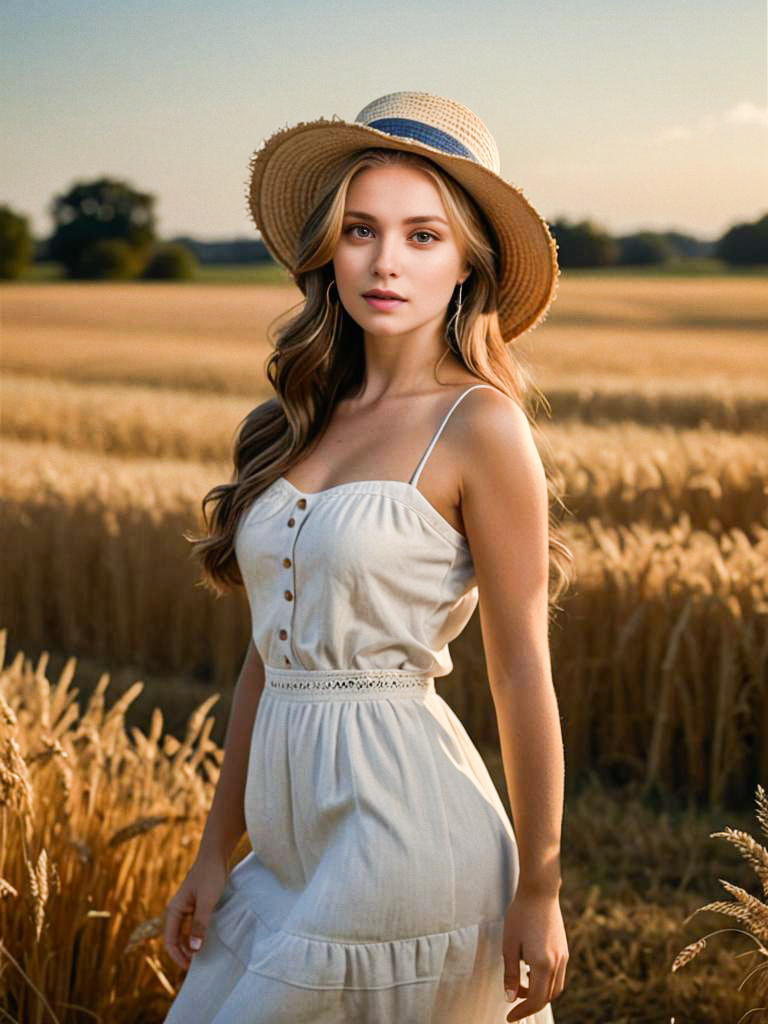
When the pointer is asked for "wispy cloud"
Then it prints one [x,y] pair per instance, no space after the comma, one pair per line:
[744,112]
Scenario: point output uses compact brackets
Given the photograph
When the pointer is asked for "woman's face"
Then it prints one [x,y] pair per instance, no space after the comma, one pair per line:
[396,237]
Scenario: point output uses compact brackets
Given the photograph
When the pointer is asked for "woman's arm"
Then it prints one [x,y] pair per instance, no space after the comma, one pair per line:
[197,895]
[505,512]
[226,818]
[506,516]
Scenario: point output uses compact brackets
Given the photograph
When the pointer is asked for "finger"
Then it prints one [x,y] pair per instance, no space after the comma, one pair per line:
[525,1009]
[178,955]
[195,938]
[522,994]
[198,929]
[538,982]
[171,924]
[550,979]
[558,983]
[171,934]
[512,975]
[554,975]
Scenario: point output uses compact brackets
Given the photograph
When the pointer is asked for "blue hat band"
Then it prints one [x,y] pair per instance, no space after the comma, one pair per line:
[421,132]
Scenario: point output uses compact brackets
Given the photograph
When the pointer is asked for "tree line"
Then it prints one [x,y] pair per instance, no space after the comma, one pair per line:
[106,229]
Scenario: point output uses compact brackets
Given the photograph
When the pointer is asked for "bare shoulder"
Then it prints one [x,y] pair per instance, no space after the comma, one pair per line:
[493,439]
[504,503]
[488,409]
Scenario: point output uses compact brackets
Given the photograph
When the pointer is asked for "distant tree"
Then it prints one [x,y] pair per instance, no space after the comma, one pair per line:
[645,247]
[585,244]
[688,246]
[171,261]
[108,259]
[235,250]
[16,243]
[96,211]
[744,243]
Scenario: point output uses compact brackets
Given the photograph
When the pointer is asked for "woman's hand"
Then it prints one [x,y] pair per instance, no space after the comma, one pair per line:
[534,932]
[196,896]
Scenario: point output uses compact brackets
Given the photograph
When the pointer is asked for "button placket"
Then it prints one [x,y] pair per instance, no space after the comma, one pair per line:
[288,564]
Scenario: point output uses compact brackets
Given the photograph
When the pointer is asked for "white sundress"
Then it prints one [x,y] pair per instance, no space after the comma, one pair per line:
[383,860]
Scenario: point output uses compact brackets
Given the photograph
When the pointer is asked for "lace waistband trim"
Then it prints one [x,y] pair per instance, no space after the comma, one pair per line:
[347,682]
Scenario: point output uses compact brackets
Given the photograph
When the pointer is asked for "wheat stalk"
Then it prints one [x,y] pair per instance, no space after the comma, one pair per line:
[745,907]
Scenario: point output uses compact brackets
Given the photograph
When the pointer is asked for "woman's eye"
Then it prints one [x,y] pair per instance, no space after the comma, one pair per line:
[428,236]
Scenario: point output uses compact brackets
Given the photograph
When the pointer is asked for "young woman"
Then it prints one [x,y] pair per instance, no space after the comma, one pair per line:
[391,485]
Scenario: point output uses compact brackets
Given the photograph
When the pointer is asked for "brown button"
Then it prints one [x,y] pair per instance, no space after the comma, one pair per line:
[302,502]
[283,634]
[287,563]
[291,521]
[287,660]
[288,595]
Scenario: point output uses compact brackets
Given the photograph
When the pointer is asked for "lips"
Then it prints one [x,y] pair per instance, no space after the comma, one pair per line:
[383,295]
[385,305]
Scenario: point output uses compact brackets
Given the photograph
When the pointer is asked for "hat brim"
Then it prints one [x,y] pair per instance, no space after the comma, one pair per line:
[293,168]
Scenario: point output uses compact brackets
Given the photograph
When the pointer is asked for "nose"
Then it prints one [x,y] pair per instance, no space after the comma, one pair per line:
[385,262]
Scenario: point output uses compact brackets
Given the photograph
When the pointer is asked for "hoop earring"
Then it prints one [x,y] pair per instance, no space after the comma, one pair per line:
[332,308]
[454,321]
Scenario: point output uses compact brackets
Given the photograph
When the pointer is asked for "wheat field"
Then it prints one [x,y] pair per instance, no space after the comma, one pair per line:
[119,407]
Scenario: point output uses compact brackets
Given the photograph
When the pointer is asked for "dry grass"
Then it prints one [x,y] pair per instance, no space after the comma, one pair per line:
[621,472]
[205,337]
[214,337]
[97,825]
[660,661]
[709,402]
[663,625]
[120,402]
[751,911]
[100,823]
[94,561]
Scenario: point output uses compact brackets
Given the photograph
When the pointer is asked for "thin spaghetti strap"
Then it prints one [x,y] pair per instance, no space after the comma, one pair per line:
[417,472]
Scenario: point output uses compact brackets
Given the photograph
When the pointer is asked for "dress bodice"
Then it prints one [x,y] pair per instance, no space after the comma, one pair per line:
[365,574]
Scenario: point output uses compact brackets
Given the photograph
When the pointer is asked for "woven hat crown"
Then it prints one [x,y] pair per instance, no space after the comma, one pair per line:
[436,121]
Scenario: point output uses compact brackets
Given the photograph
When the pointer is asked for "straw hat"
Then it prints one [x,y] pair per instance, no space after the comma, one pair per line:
[294,167]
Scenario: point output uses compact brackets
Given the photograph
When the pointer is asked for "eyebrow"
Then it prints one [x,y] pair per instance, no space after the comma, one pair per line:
[407,220]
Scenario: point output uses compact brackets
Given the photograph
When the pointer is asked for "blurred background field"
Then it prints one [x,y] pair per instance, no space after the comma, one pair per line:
[120,402]
[136,301]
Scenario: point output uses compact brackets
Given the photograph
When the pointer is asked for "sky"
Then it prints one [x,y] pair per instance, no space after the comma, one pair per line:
[636,115]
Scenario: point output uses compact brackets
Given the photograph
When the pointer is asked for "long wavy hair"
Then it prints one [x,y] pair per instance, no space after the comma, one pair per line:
[318,358]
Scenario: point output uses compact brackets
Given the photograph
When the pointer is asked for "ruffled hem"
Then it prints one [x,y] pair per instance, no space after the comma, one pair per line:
[318,963]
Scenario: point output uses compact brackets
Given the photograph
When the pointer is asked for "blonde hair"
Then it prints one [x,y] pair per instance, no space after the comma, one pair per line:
[318,359]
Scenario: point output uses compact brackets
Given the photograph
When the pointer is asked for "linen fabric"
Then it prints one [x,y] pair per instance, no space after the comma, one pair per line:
[382,857]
